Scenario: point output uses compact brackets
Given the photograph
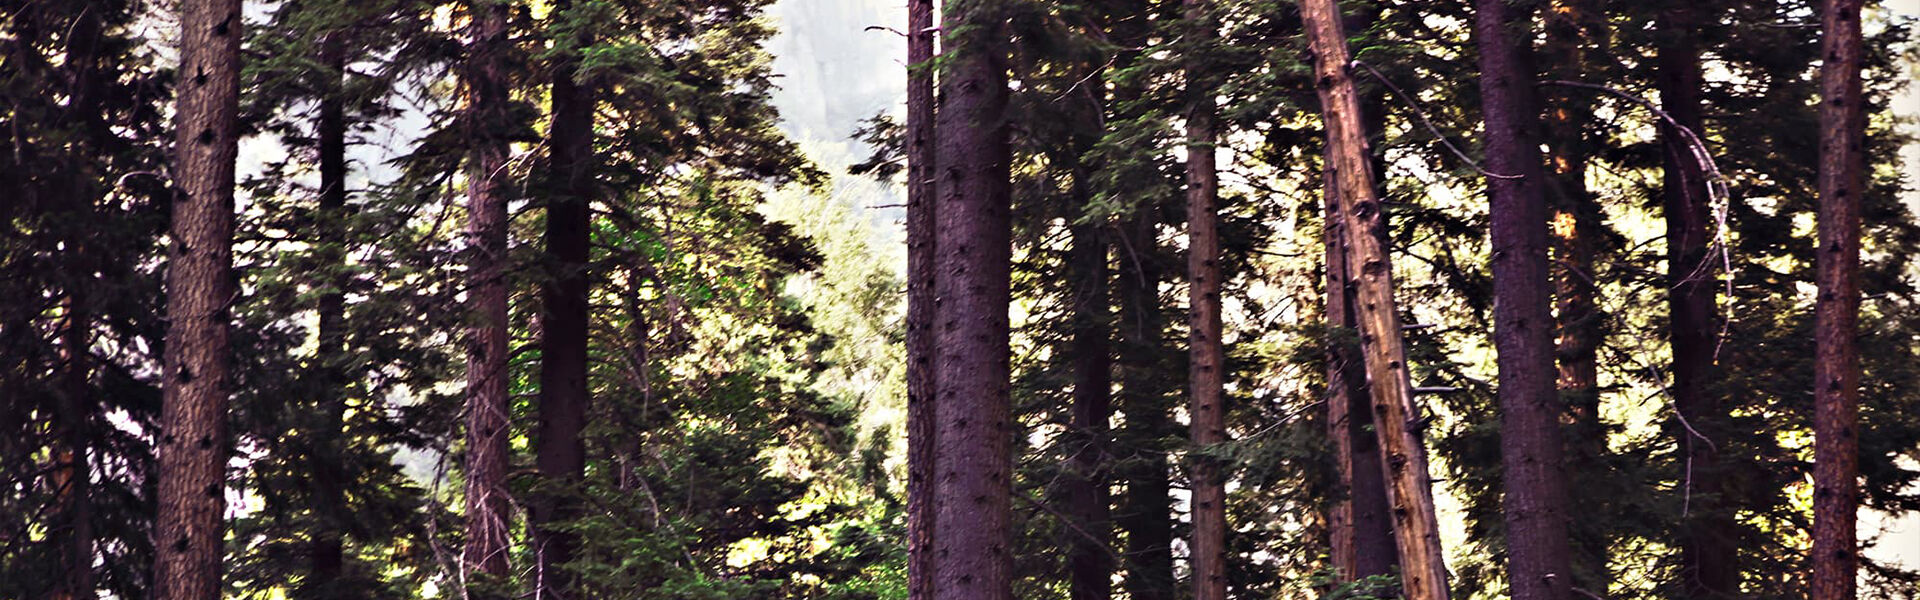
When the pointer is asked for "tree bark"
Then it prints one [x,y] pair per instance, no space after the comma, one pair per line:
[1535,504]
[74,475]
[326,549]
[921,177]
[1417,534]
[1206,369]
[1576,41]
[564,395]
[200,290]
[1089,567]
[488,521]
[974,461]
[1836,414]
[1361,522]
[1145,513]
[1707,552]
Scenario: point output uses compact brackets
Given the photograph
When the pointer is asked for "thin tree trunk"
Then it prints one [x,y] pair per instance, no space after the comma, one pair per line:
[1706,550]
[488,522]
[921,175]
[1206,375]
[973,462]
[1089,564]
[1836,414]
[561,455]
[1576,41]
[327,550]
[1417,534]
[1535,502]
[1146,510]
[77,408]
[200,291]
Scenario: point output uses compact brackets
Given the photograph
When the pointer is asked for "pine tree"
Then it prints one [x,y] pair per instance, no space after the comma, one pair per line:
[1836,416]
[200,290]
[484,76]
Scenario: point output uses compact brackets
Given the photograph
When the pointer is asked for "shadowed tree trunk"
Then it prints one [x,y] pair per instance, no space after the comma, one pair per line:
[1706,550]
[326,548]
[921,175]
[485,78]
[1359,219]
[561,455]
[1836,414]
[1145,510]
[1089,568]
[1576,42]
[1535,504]
[1206,370]
[973,463]
[74,473]
[200,290]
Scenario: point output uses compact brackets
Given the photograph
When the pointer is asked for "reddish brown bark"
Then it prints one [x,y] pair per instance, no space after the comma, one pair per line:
[197,383]
[1206,369]
[1359,219]
[973,463]
[1360,523]
[75,420]
[1836,392]
[488,521]
[921,176]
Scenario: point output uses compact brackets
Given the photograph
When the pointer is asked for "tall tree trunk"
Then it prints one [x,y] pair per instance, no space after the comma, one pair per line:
[1535,504]
[200,290]
[921,176]
[1361,523]
[973,462]
[1576,41]
[488,522]
[1409,486]
[1206,372]
[326,548]
[1145,513]
[1836,414]
[561,455]
[77,408]
[1089,567]
[1706,550]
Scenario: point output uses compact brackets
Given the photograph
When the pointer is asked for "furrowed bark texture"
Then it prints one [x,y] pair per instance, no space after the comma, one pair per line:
[561,454]
[921,176]
[488,521]
[1206,372]
[1535,503]
[973,463]
[1836,414]
[1576,41]
[1423,568]
[1707,549]
[197,382]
